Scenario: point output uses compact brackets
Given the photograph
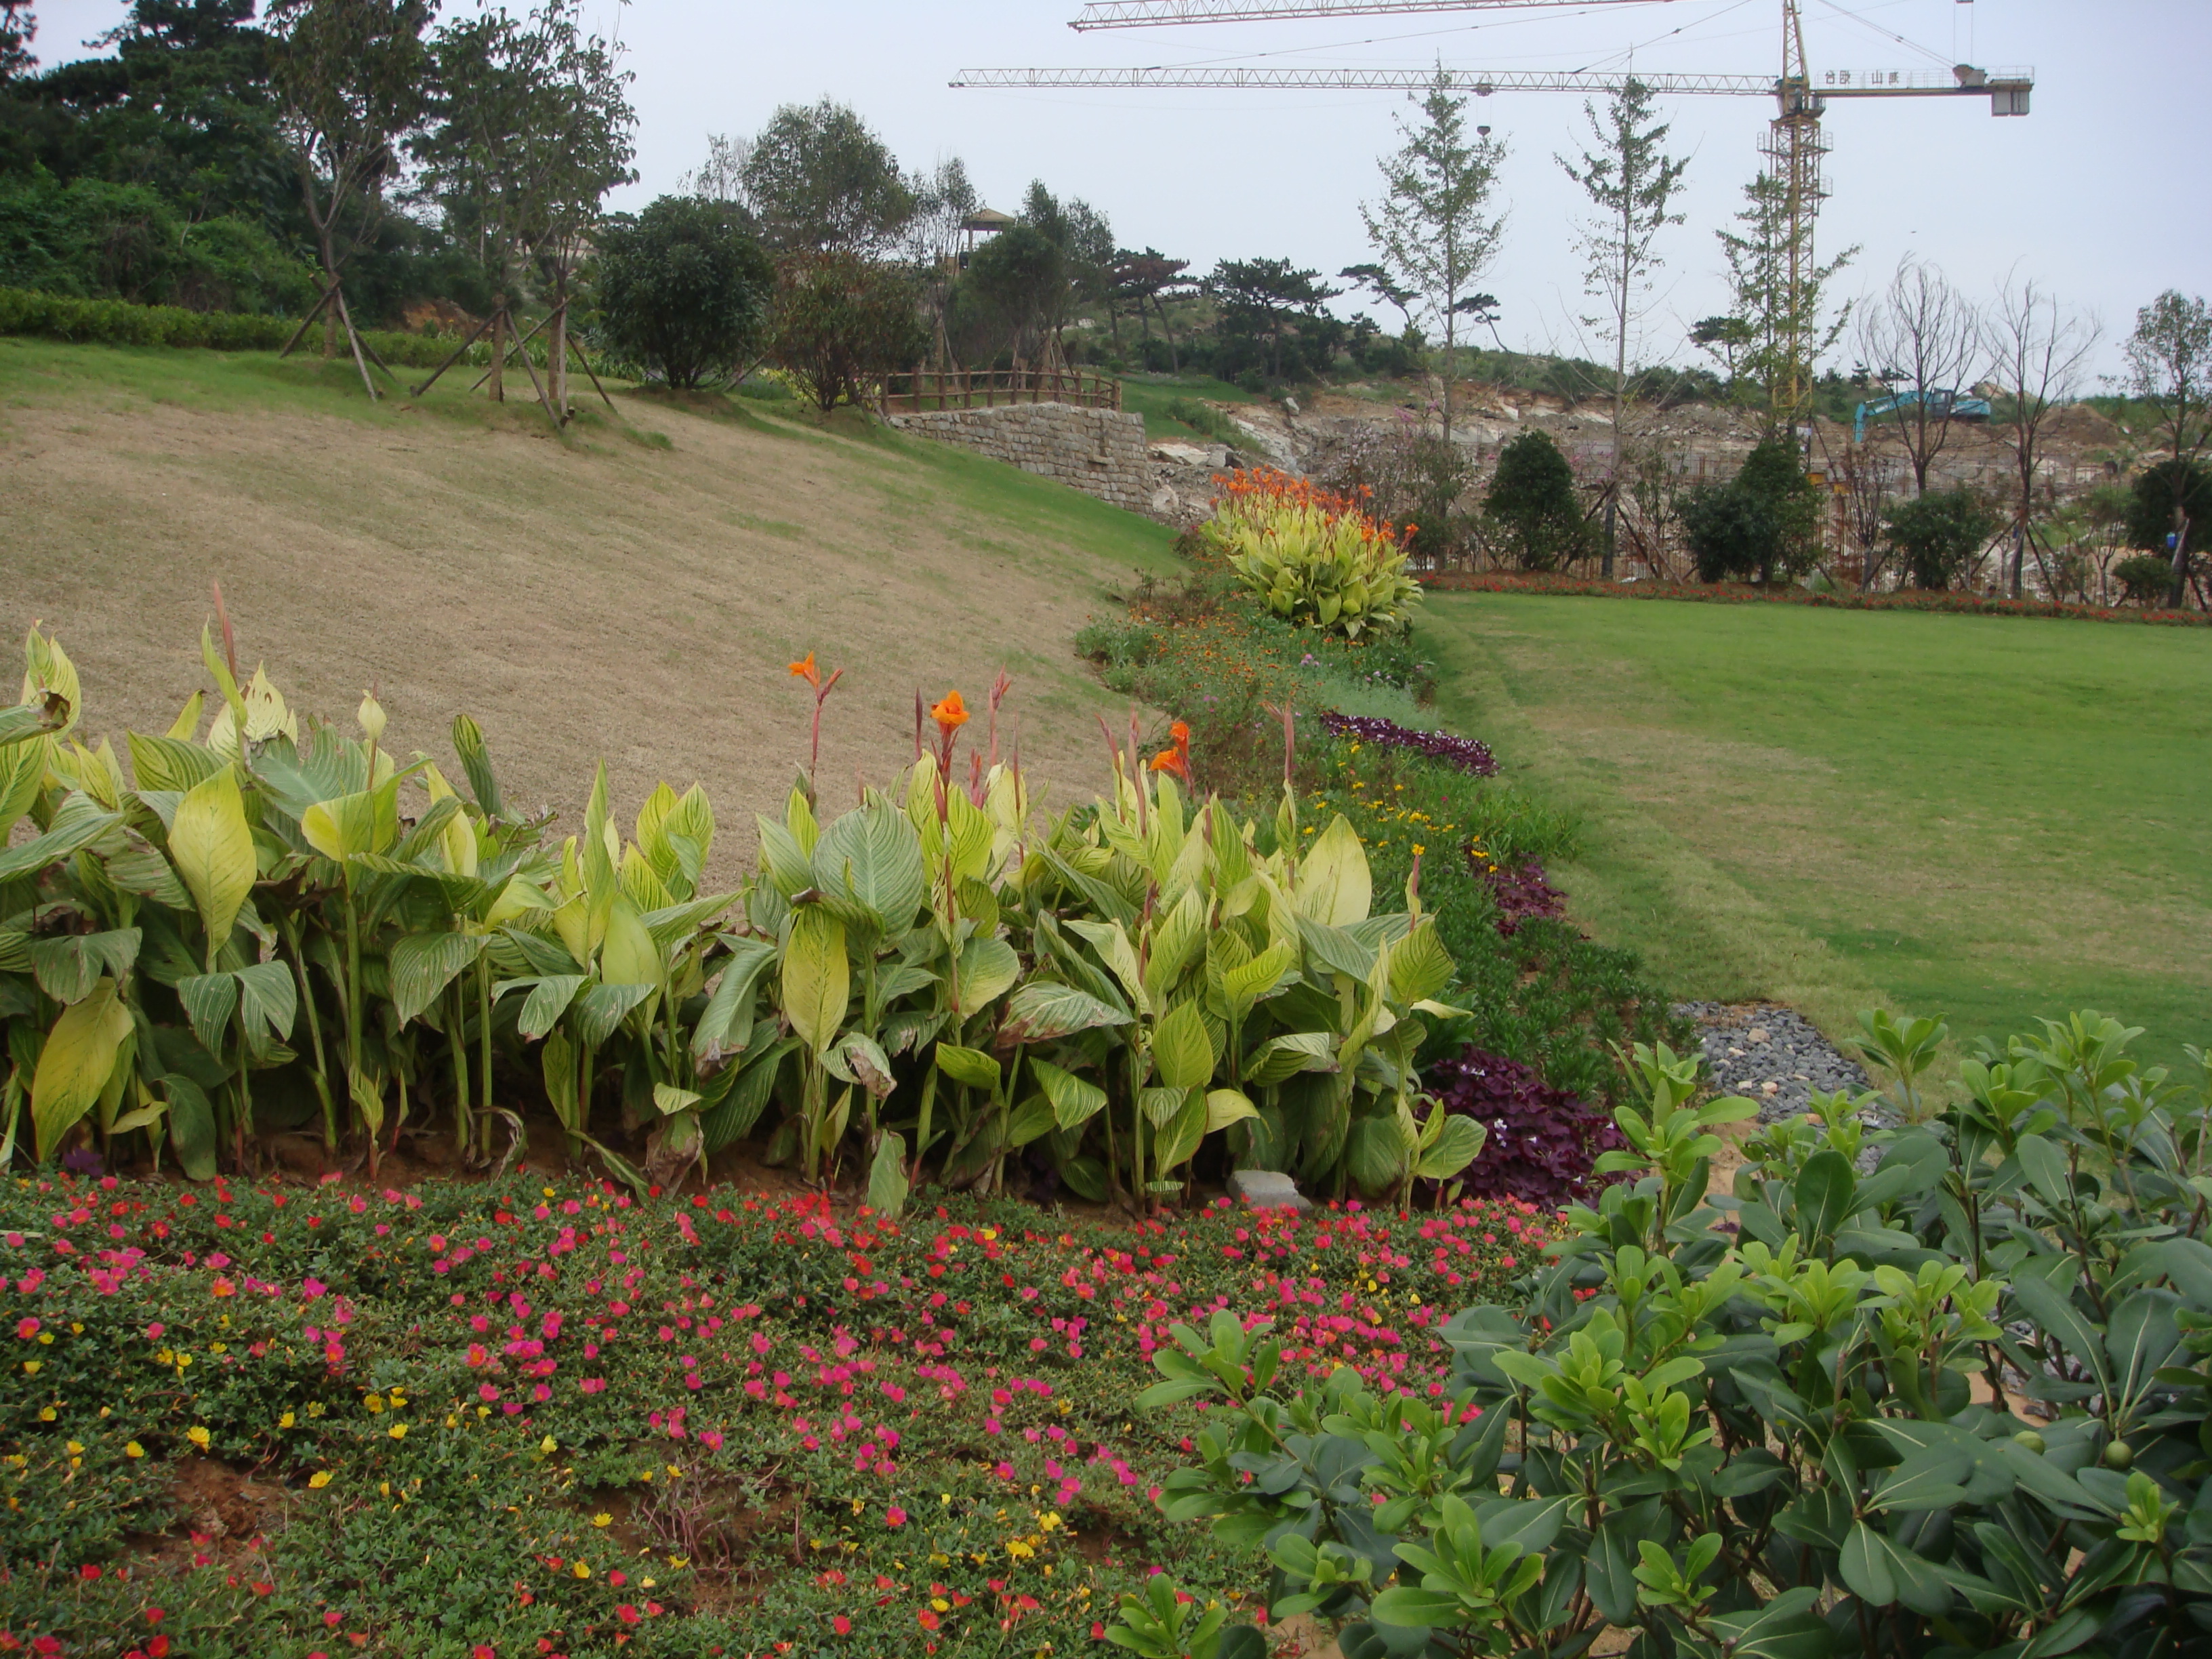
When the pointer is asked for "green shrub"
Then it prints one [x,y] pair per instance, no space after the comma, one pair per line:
[2144,578]
[1939,534]
[842,322]
[1755,1429]
[1206,419]
[682,289]
[1763,523]
[1532,512]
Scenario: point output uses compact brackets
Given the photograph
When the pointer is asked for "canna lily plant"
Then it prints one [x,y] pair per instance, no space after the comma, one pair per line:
[256,922]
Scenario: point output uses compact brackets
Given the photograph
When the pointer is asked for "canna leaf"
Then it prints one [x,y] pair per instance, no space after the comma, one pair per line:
[817,980]
[69,966]
[79,1056]
[421,965]
[1041,1012]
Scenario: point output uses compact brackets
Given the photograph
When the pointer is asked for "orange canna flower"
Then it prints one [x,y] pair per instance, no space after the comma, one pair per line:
[805,669]
[950,713]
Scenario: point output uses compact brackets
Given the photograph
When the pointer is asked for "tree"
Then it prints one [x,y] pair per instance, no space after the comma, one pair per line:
[1939,534]
[1532,509]
[2170,368]
[532,127]
[1630,180]
[944,200]
[721,176]
[1085,244]
[821,182]
[1022,274]
[19,27]
[1266,301]
[1765,522]
[1147,282]
[1923,343]
[842,322]
[2151,511]
[684,288]
[350,81]
[1775,332]
[2039,354]
[1432,227]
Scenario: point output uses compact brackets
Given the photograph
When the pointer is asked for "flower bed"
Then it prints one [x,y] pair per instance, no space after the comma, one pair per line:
[529,1419]
[1974,604]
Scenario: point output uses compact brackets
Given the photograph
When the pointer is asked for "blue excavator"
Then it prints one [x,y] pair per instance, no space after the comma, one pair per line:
[1943,406]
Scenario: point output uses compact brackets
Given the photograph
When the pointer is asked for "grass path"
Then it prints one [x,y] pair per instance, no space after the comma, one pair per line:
[631,589]
[1990,818]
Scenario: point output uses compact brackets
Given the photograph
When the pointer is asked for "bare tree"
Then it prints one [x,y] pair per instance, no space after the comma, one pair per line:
[1432,227]
[1630,180]
[1922,342]
[2039,354]
[721,176]
[2170,368]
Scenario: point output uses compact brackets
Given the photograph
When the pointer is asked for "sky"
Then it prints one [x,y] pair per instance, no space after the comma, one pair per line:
[2099,195]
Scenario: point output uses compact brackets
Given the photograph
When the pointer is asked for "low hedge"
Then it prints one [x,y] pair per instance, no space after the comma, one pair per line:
[1972,604]
[118,322]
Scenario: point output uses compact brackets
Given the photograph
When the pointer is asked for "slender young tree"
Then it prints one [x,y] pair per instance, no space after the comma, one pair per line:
[1922,342]
[1630,181]
[532,126]
[1771,337]
[351,82]
[2039,354]
[1433,227]
[2170,369]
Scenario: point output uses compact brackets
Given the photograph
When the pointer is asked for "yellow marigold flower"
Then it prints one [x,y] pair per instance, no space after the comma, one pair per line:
[199,1437]
[319,1480]
[397,1431]
[134,1449]
[583,1570]
[603,1519]
[30,1368]
[549,1445]
[285,1421]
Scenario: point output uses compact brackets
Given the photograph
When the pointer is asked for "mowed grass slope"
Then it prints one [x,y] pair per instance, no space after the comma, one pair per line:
[631,590]
[1988,819]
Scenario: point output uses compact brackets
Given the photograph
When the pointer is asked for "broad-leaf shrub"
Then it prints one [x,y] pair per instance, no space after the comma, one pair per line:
[1312,556]
[683,289]
[1777,1436]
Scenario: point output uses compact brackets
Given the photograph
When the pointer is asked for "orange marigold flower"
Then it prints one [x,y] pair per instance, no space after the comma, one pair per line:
[950,713]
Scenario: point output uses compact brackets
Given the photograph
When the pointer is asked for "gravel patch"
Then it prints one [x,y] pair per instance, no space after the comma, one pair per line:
[1771,1054]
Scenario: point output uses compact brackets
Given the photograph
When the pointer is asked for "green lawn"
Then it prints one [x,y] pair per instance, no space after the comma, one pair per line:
[1990,818]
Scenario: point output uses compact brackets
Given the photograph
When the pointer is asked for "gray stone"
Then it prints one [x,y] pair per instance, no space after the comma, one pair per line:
[1267,1189]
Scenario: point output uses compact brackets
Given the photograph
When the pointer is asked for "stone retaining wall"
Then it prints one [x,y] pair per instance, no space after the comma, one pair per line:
[1100,451]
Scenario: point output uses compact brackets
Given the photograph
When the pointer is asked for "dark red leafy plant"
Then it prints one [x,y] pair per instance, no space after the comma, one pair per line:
[1540,1142]
[1470,755]
[1522,893]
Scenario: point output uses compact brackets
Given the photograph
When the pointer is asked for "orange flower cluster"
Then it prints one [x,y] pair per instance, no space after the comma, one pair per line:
[1175,758]
[1260,491]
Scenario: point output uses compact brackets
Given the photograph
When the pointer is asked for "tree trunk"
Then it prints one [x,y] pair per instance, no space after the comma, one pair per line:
[2173,595]
[557,361]
[498,382]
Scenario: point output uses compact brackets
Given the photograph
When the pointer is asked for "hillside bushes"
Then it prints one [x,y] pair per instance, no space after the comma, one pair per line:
[118,322]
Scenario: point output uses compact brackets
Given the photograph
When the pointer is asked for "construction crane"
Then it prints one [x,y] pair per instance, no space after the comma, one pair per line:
[1793,148]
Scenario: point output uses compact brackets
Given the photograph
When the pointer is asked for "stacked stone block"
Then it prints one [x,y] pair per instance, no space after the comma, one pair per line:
[1100,451]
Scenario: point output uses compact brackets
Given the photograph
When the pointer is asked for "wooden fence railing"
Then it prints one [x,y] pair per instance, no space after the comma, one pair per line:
[925,389]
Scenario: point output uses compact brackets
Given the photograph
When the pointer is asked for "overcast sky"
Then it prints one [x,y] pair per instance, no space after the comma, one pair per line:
[2101,194]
